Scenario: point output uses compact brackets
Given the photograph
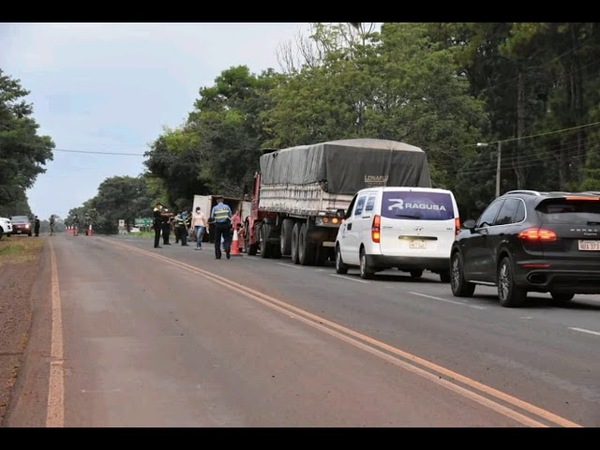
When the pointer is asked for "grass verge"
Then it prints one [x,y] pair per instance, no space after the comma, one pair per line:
[18,250]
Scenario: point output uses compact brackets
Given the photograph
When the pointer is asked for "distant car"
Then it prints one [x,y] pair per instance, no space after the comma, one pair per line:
[408,228]
[21,225]
[530,241]
[5,227]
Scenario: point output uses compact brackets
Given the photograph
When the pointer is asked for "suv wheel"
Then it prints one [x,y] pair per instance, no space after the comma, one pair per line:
[366,272]
[460,287]
[340,267]
[509,294]
[562,297]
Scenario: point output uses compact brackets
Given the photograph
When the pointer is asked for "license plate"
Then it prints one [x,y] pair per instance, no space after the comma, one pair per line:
[416,244]
[18,231]
[589,246]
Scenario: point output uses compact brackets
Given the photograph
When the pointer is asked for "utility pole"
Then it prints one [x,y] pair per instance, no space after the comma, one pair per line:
[498,163]
[498,169]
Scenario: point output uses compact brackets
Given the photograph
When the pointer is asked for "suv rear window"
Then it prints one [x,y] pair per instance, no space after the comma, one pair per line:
[563,210]
[406,205]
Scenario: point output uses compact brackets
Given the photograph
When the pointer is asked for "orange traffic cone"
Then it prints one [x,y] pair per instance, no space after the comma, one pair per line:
[235,245]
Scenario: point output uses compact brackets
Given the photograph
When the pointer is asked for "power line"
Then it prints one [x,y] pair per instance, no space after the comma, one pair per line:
[541,134]
[548,133]
[98,153]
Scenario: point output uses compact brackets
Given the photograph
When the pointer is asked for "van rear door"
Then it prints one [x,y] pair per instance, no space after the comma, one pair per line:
[418,223]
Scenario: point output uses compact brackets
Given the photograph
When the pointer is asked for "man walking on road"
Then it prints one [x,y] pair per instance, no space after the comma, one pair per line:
[221,215]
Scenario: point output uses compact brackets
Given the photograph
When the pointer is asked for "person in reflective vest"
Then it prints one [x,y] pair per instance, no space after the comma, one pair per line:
[221,215]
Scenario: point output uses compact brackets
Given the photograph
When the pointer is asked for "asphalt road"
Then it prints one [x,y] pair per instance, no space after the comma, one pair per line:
[136,336]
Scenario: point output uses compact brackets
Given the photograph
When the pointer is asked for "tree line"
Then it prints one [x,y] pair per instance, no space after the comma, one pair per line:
[529,90]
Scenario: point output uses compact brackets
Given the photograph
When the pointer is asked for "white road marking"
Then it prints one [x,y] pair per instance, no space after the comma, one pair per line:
[583,330]
[348,278]
[291,266]
[448,301]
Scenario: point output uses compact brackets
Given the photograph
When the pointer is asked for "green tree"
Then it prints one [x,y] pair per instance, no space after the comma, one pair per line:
[120,197]
[23,153]
[176,158]
[217,149]
[398,84]
[557,89]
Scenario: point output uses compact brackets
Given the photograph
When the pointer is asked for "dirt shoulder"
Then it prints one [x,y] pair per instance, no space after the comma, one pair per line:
[20,266]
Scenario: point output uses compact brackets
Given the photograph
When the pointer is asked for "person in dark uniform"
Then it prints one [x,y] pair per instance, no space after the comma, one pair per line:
[157,223]
[75,223]
[166,225]
[182,227]
[221,215]
[36,225]
[52,223]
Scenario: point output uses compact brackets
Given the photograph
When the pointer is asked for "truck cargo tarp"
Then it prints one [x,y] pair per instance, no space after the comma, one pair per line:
[346,166]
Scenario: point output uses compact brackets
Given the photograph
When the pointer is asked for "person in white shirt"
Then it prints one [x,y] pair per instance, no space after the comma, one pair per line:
[200,224]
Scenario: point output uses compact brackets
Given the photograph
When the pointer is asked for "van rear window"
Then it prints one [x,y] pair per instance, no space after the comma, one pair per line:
[406,205]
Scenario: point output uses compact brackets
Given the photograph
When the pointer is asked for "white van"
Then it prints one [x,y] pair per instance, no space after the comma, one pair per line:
[409,228]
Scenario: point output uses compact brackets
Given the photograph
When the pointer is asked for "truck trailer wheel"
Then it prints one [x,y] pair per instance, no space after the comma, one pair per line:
[294,241]
[306,250]
[265,247]
[286,236]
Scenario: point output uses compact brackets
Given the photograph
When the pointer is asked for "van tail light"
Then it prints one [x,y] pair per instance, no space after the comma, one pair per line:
[456,226]
[537,234]
[376,229]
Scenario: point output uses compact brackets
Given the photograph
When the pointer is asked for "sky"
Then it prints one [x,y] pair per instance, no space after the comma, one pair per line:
[100,89]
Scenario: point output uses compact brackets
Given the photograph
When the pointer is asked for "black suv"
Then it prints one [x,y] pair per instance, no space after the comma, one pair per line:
[530,241]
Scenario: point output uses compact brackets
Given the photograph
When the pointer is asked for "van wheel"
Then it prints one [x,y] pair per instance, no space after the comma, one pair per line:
[445,276]
[295,239]
[460,286]
[509,294]
[340,267]
[416,273]
[366,272]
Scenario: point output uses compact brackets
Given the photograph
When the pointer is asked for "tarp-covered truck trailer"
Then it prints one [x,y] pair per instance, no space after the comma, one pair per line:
[301,193]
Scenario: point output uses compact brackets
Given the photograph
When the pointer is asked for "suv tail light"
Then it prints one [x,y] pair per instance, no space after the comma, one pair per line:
[456,226]
[537,234]
[376,229]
